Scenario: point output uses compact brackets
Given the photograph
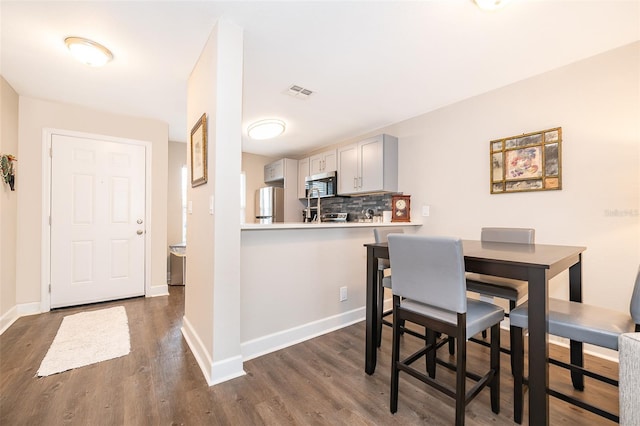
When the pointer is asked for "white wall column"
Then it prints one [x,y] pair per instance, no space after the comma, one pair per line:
[212,293]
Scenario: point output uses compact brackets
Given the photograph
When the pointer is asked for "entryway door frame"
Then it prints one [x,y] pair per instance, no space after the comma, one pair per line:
[45,255]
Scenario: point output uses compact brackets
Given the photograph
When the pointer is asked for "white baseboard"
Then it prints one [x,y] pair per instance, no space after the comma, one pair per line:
[227,369]
[214,373]
[282,339]
[198,349]
[8,318]
[25,309]
[21,310]
[158,290]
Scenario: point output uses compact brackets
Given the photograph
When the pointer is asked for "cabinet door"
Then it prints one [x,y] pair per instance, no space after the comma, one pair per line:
[371,165]
[274,171]
[316,164]
[303,172]
[348,181]
[330,161]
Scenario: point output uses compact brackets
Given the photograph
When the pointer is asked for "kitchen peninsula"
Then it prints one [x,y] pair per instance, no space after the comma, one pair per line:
[302,225]
[291,280]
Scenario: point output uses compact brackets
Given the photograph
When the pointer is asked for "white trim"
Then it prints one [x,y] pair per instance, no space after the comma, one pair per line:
[158,290]
[45,253]
[25,309]
[8,318]
[226,369]
[282,339]
[18,311]
[203,358]
[214,373]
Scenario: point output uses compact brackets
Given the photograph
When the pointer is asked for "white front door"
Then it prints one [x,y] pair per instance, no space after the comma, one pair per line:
[97,220]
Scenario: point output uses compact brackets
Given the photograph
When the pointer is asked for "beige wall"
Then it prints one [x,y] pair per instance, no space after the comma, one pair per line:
[444,164]
[36,115]
[8,203]
[212,297]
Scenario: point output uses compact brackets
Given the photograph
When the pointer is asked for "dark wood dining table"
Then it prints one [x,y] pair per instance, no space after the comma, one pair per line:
[534,263]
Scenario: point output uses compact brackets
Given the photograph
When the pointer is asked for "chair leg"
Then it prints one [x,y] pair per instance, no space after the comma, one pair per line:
[461,373]
[484,334]
[495,366]
[395,357]
[512,306]
[431,355]
[577,358]
[517,359]
[380,306]
[452,345]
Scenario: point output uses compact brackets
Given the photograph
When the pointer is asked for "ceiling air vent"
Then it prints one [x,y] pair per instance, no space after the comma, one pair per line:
[299,92]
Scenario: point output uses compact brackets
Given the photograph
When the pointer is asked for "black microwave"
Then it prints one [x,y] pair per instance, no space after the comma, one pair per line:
[321,185]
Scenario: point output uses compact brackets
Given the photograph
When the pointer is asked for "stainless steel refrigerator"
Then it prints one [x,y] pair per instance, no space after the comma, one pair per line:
[269,204]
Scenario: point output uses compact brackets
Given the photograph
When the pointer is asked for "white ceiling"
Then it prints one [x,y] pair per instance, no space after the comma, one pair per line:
[370,63]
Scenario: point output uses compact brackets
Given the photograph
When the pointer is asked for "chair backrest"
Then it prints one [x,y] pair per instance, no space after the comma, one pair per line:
[634,307]
[381,235]
[508,235]
[429,270]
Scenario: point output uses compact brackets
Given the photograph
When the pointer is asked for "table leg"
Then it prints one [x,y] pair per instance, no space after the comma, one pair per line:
[575,294]
[371,317]
[538,347]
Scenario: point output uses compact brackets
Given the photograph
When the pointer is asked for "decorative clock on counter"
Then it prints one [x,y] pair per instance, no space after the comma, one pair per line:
[400,208]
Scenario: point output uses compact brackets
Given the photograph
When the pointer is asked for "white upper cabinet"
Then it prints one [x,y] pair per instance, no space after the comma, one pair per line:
[274,171]
[323,162]
[368,166]
[303,172]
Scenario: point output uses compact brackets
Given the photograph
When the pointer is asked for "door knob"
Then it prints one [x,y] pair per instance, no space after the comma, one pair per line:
[139,232]
[139,221]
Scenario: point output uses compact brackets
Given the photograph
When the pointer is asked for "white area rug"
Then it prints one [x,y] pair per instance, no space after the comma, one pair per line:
[87,338]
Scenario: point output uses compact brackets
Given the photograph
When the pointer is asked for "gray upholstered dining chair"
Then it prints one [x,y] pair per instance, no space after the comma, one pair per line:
[579,322]
[503,288]
[429,289]
[384,270]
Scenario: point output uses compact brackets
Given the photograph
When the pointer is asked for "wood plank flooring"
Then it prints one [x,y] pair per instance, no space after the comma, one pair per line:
[318,382]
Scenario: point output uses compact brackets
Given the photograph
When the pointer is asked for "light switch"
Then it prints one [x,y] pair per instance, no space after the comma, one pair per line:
[425,211]
[211,204]
[190,207]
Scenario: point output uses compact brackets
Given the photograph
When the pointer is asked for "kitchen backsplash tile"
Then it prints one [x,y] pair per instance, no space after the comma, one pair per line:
[357,207]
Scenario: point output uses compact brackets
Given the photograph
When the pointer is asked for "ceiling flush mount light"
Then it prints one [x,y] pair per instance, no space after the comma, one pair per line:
[88,52]
[266,129]
[491,4]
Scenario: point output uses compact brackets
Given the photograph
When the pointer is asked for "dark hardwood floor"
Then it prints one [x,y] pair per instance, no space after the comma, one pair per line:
[318,382]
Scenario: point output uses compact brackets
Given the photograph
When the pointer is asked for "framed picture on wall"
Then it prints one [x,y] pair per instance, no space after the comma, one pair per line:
[199,152]
[527,162]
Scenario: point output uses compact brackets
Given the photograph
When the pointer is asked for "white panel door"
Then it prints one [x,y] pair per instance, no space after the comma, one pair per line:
[97,220]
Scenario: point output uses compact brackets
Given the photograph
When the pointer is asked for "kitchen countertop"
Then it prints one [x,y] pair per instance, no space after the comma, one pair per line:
[301,225]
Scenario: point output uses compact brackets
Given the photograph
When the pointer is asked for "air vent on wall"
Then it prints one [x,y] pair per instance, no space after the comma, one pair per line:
[299,92]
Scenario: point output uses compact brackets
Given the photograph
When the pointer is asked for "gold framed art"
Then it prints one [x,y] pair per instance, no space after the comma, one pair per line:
[401,208]
[199,152]
[527,162]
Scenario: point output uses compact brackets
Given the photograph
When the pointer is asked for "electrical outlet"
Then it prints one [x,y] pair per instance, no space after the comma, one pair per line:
[343,294]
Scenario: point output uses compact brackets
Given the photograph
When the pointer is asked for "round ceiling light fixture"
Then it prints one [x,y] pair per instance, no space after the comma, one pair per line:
[491,4]
[88,52]
[266,129]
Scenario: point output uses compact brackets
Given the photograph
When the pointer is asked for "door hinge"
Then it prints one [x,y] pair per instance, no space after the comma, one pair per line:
[49,288]
[49,220]
[50,152]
